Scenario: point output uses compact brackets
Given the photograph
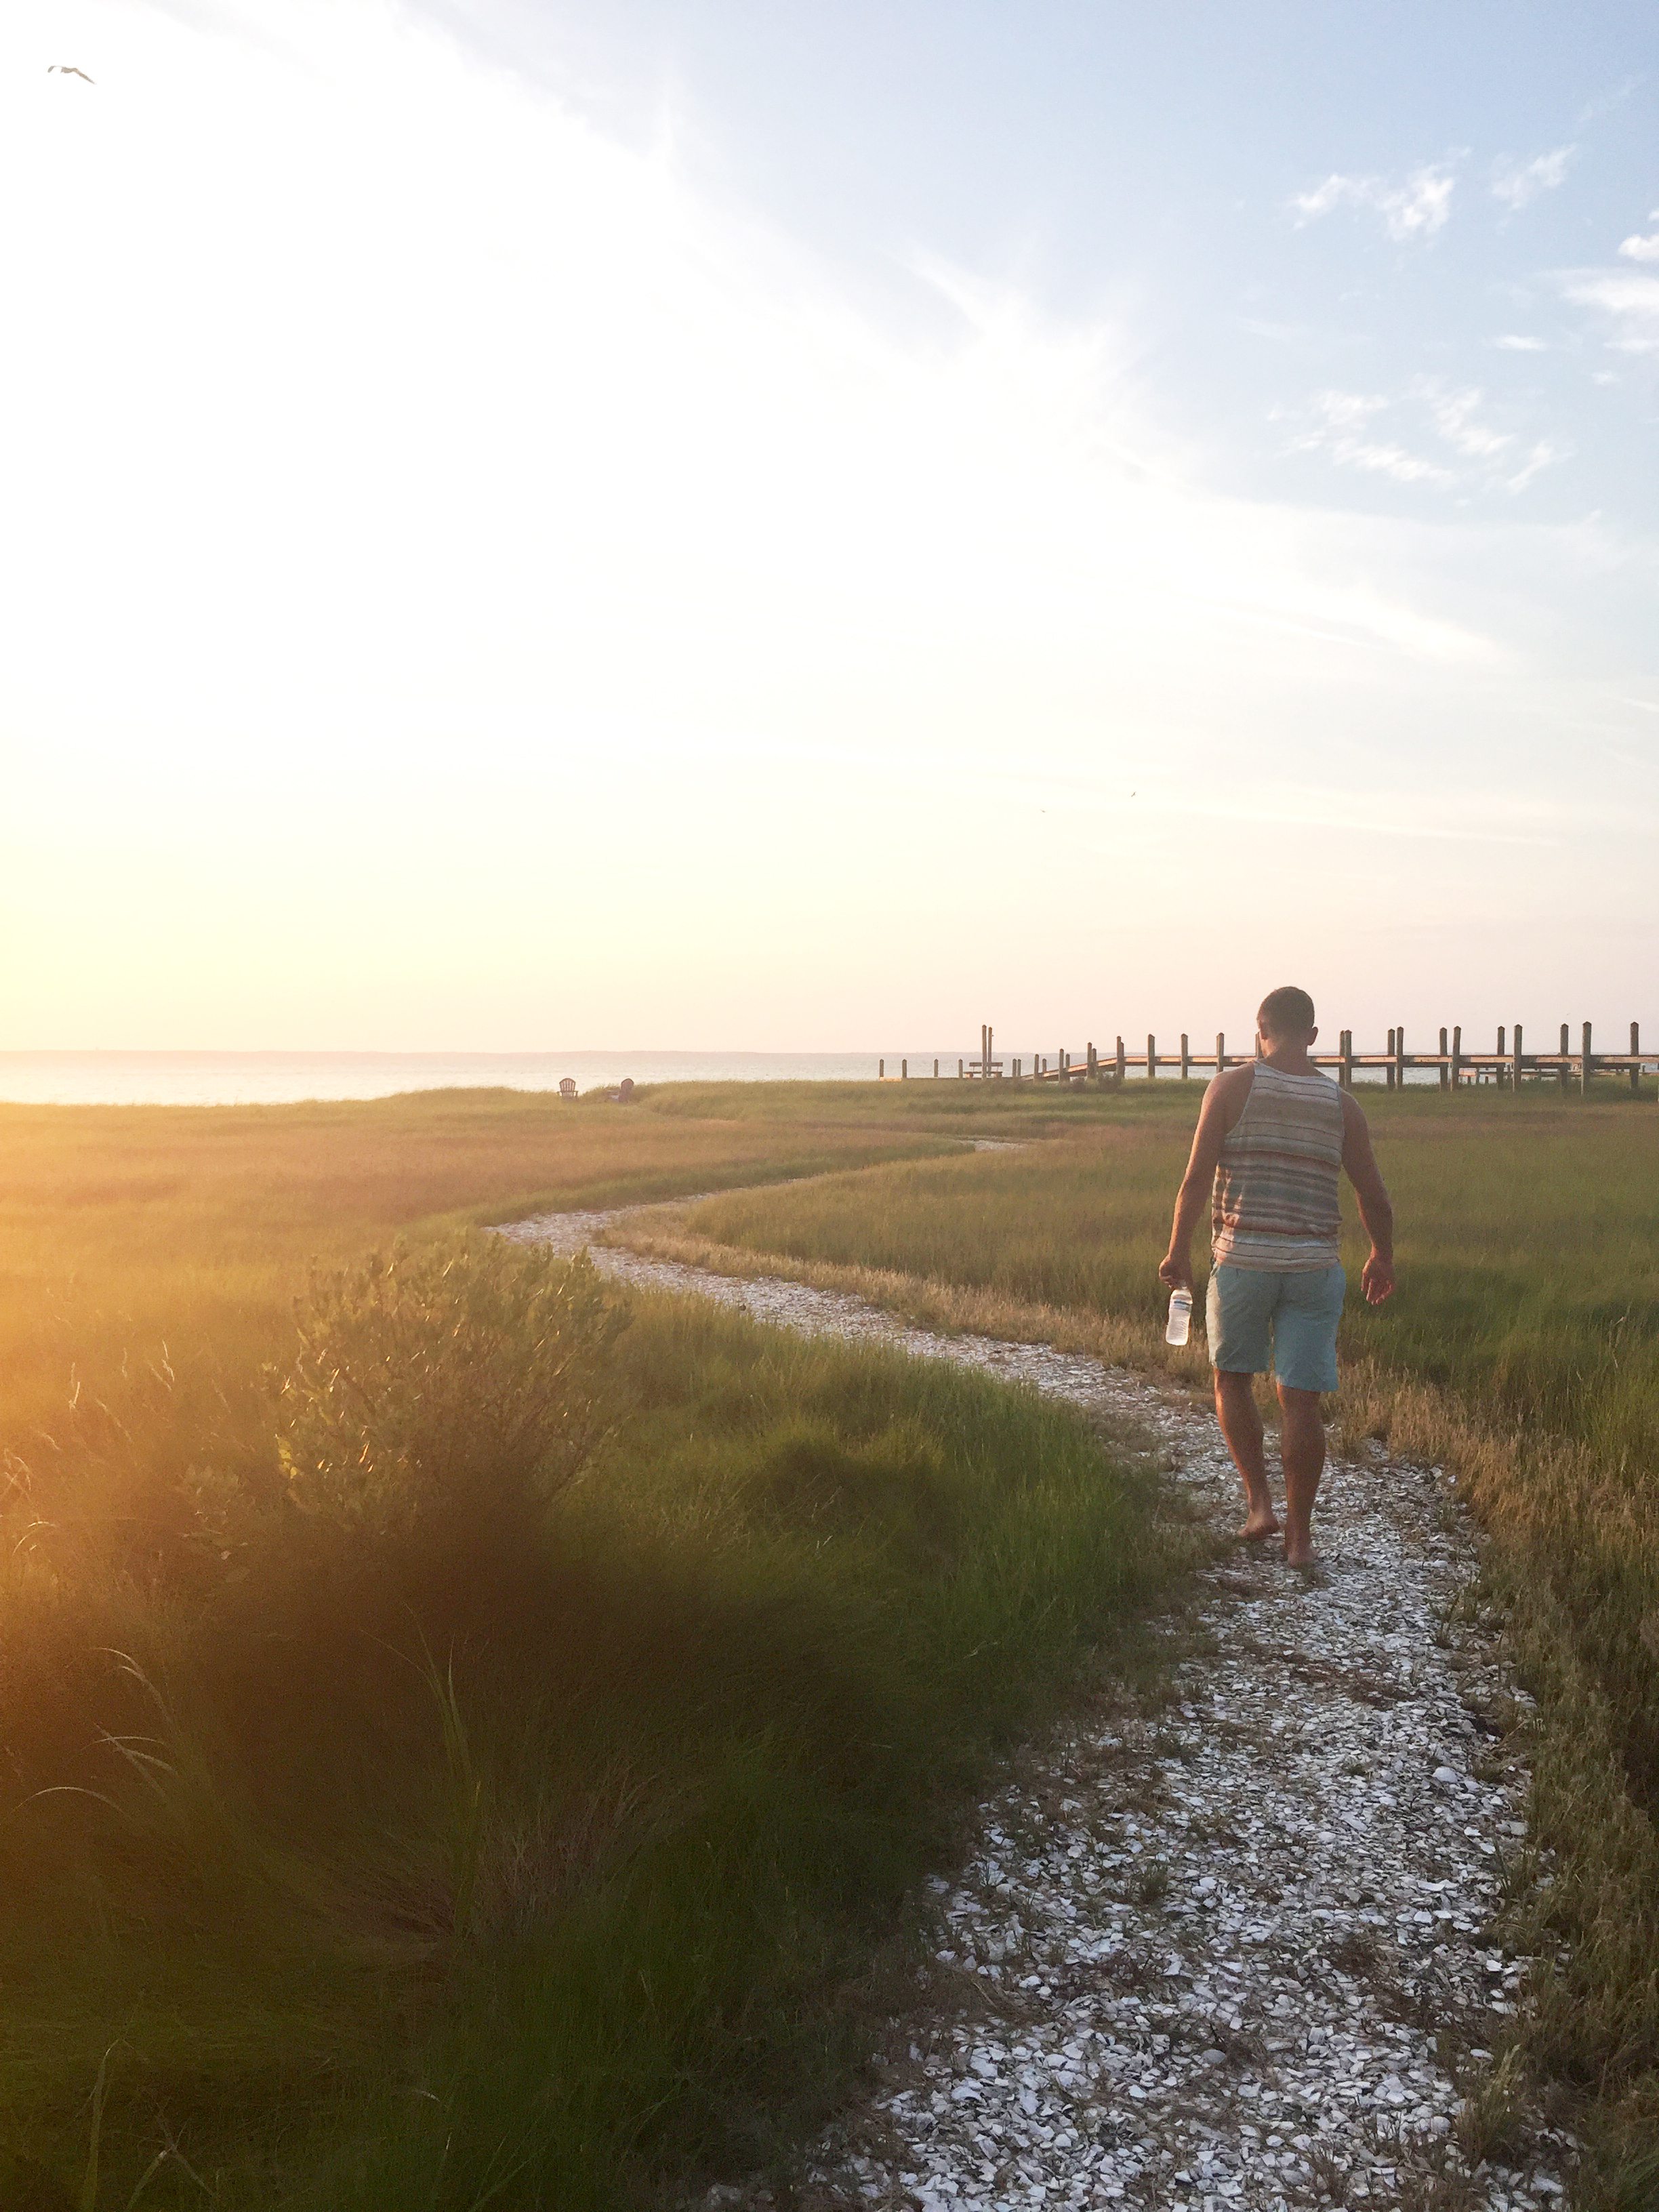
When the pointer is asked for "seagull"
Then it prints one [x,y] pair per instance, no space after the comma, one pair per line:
[68,69]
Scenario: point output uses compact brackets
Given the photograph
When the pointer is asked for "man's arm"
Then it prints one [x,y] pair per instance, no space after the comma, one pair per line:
[1223,1102]
[1375,1211]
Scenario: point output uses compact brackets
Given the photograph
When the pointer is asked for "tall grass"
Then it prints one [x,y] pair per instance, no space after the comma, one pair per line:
[123,1226]
[1529,1235]
[1016,1110]
[365,1852]
[150,1258]
[1522,1348]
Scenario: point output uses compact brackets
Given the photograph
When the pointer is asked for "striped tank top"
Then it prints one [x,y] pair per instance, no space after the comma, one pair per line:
[1275,1198]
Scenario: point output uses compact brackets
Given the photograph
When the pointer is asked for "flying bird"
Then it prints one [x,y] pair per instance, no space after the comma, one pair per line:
[68,69]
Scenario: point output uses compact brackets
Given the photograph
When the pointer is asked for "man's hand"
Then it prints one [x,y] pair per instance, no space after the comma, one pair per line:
[1176,1271]
[1376,1214]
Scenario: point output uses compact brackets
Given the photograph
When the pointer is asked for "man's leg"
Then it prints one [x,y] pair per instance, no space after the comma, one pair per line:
[1305,1364]
[1235,1310]
[1302,1440]
[1241,1426]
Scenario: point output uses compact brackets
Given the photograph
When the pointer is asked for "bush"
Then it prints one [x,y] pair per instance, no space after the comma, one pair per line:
[464,1383]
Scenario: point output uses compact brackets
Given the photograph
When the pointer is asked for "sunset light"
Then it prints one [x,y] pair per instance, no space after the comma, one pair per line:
[474,577]
[829,1265]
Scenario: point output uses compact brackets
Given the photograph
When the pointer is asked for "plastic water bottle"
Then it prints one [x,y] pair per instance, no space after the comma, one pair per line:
[1180,1317]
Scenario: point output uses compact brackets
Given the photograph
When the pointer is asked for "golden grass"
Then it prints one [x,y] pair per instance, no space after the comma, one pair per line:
[1523,1353]
[148,1258]
[664,1232]
[127,1228]
[1572,1561]
[698,1734]
[532,1854]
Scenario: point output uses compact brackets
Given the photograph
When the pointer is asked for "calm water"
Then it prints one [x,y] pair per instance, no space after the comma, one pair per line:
[230,1078]
[269,1079]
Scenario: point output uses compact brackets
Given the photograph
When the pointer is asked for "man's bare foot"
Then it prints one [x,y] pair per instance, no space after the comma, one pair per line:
[1259,1526]
[1300,1554]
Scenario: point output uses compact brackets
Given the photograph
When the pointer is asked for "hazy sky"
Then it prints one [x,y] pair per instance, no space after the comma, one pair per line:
[528,524]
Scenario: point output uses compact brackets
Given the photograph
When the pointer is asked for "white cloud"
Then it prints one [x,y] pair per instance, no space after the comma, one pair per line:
[1416,209]
[1456,417]
[1511,342]
[1516,185]
[1643,249]
[1631,302]
[1389,461]
[1544,455]
[1337,430]
[1349,429]
[1453,415]
[1342,408]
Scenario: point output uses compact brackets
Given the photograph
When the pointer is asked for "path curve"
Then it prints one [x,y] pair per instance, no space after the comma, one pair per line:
[1224,1952]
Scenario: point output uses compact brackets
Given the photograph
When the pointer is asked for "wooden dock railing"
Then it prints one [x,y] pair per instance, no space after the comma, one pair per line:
[1509,1067]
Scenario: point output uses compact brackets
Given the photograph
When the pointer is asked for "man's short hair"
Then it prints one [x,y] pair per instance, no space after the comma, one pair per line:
[1284,1011]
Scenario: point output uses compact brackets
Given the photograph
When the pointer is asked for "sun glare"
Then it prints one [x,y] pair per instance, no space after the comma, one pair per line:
[483,572]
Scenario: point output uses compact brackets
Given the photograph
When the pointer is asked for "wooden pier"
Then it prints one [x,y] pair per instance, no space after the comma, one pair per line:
[1509,1067]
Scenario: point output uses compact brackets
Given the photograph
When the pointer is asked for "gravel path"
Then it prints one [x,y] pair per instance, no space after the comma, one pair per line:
[1230,1950]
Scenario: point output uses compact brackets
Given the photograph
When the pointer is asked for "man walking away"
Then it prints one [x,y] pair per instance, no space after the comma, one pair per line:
[1271,1142]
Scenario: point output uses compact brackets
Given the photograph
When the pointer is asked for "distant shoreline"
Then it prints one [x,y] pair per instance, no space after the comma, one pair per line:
[128,1078]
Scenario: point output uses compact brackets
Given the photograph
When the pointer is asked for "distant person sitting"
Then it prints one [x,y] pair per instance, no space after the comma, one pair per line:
[1272,1139]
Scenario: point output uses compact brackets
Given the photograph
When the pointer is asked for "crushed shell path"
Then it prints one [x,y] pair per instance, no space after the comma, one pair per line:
[1219,1954]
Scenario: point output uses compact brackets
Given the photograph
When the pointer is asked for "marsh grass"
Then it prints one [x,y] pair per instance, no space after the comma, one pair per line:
[445,1869]
[261,1914]
[1523,1352]
[122,1228]
[357,1854]
[150,1258]
[665,1232]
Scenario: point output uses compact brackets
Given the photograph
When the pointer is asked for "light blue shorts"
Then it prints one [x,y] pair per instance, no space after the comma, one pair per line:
[1300,1310]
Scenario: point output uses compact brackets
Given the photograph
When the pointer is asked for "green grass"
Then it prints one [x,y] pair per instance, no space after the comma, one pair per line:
[1529,1236]
[1522,1348]
[149,1259]
[1070,1223]
[123,1226]
[405,1859]
[362,1847]
[959,1108]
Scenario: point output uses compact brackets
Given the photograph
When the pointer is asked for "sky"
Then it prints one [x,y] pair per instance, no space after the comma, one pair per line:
[739,524]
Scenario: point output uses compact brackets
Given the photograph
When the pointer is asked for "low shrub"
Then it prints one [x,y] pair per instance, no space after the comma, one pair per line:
[461,1380]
